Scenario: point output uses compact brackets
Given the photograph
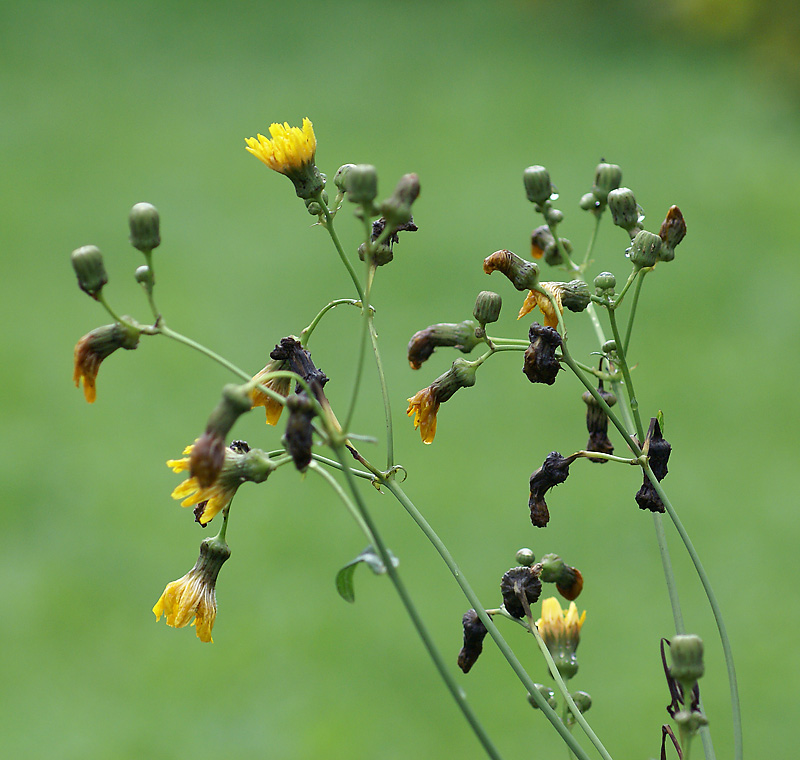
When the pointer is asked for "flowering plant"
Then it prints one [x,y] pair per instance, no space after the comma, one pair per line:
[290,380]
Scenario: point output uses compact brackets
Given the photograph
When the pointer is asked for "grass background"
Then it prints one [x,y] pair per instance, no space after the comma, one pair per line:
[107,104]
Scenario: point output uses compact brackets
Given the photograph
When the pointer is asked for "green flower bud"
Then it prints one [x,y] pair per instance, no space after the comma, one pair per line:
[582,700]
[361,183]
[340,178]
[526,558]
[144,224]
[487,307]
[624,210]
[548,694]
[607,177]
[554,216]
[313,208]
[143,275]
[396,209]
[605,282]
[609,347]
[644,249]
[588,202]
[88,265]
[538,186]
[552,568]
[686,654]
[574,295]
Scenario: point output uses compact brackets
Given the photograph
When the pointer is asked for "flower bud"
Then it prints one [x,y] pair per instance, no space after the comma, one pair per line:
[144,224]
[525,557]
[624,210]
[524,275]
[474,634]
[568,579]
[340,178]
[561,631]
[519,583]
[609,347]
[396,209]
[144,276]
[361,183]
[544,244]
[574,295]
[423,343]
[645,249]
[553,216]
[673,230]
[538,186]
[588,202]
[582,700]
[607,177]
[487,307]
[88,265]
[605,282]
[686,654]
[548,694]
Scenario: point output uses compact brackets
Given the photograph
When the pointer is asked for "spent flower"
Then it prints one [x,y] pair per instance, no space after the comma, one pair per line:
[96,346]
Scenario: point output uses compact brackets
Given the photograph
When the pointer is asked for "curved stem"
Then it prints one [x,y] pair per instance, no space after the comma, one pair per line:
[472,597]
[335,238]
[387,408]
[422,631]
[626,373]
[345,499]
[305,335]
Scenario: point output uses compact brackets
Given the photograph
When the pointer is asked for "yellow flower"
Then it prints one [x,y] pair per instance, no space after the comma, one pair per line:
[96,346]
[194,595]
[535,298]
[280,385]
[290,151]
[561,631]
[424,407]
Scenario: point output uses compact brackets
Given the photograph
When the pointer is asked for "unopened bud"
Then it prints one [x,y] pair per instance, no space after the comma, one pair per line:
[144,224]
[645,248]
[673,230]
[487,307]
[589,203]
[460,335]
[554,216]
[538,186]
[624,209]
[525,557]
[361,183]
[607,177]
[582,700]
[686,655]
[604,283]
[396,209]
[340,178]
[548,694]
[144,276]
[574,295]
[88,265]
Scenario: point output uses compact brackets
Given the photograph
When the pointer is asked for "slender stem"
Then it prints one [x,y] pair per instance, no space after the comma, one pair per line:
[634,404]
[362,347]
[335,238]
[416,619]
[148,256]
[718,618]
[387,408]
[167,332]
[305,335]
[346,500]
[473,599]
[669,575]
[634,304]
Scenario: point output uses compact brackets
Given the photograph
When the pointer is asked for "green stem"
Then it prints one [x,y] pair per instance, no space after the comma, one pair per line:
[346,500]
[592,241]
[634,304]
[339,249]
[387,408]
[176,336]
[626,374]
[148,255]
[501,643]
[305,335]
[416,619]
[362,346]
[718,618]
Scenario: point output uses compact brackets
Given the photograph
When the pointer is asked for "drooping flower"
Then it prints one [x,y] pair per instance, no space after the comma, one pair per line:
[535,298]
[241,464]
[553,472]
[290,151]
[280,385]
[194,595]
[474,634]
[95,346]
[561,631]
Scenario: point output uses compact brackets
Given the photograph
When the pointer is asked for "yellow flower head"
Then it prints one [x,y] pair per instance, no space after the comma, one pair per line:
[535,298]
[280,385]
[424,406]
[194,595]
[241,464]
[558,626]
[290,151]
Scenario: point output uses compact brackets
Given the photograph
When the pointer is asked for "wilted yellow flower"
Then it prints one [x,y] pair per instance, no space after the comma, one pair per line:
[561,631]
[194,595]
[280,385]
[96,346]
[424,407]
[535,298]
[290,151]
[241,464]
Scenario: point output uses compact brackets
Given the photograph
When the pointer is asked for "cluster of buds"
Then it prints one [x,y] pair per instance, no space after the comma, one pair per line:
[625,211]
[607,177]
[540,191]
[544,244]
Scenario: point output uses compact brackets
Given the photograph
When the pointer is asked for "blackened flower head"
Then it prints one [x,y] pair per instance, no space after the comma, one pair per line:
[597,422]
[554,470]
[659,450]
[96,346]
[193,598]
[540,363]
[520,583]
[474,634]
[298,438]
[423,343]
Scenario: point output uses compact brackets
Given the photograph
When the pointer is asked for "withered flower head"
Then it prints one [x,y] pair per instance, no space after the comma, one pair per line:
[568,579]
[298,437]
[518,583]
[423,343]
[474,634]
[597,422]
[542,300]
[541,364]
[240,465]
[543,243]
[673,230]
[396,209]
[647,497]
[523,274]
[385,251]
[194,595]
[424,405]
[95,346]
[280,385]
[554,470]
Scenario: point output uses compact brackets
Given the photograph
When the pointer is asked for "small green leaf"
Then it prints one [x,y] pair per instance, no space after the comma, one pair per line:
[344,578]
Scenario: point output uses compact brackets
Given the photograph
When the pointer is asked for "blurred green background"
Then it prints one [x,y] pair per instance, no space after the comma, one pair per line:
[106,104]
